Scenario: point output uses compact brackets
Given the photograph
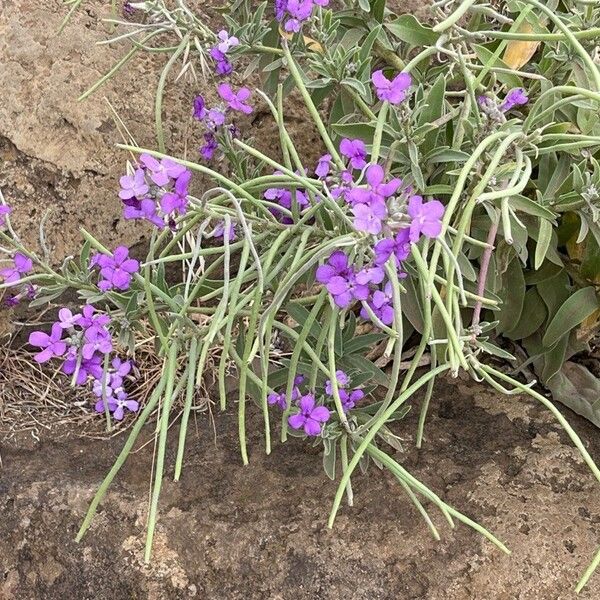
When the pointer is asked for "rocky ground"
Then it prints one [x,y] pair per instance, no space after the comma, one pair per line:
[227,531]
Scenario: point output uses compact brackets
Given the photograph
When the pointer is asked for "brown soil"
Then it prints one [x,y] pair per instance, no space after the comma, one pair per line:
[228,531]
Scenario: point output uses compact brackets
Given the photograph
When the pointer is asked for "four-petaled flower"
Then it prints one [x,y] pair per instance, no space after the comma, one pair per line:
[426,218]
[21,265]
[376,190]
[382,305]
[393,91]
[161,172]
[355,151]
[226,41]
[311,417]
[52,345]
[399,246]
[342,380]
[369,217]
[116,271]
[235,100]
[133,186]
[176,201]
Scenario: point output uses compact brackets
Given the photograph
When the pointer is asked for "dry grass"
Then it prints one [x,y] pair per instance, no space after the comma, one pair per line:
[36,400]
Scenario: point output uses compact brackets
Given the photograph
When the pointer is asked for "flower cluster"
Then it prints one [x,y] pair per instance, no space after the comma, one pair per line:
[219,52]
[295,12]
[348,397]
[215,119]
[309,416]
[110,392]
[156,191]
[116,271]
[82,340]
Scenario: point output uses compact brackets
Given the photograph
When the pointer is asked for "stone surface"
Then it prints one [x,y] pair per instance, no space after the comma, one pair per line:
[227,531]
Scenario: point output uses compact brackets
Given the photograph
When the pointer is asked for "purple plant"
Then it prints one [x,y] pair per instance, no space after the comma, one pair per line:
[235,100]
[161,172]
[369,217]
[393,91]
[376,189]
[355,151]
[382,305]
[426,218]
[398,245]
[116,271]
[133,186]
[21,266]
[52,345]
[323,166]
[515,97]
[176,200]
[310,417]
[200,111]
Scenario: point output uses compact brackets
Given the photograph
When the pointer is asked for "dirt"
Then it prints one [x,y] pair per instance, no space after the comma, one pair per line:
[228,531]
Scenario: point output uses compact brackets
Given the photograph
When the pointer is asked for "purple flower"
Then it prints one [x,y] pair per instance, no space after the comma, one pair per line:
[4,210]
[342,381]
[369,217]
[284,198]
[323,166]
[355,151]
[399,246]
[337,265]
[92,367]
[393,91]
[235,100]
[89,318]
[349,400]
[223,66]
[382,305]
[346,289]
[426,218]
[21,265]
[161,172]
[146,210]
[219,231]
[299,10]
[133,186]
[199,108]
[52,345]
[280,7]
[516,97]
[177,199]
[376,190]
[211,145]
[226,42]
[372,274]
[310,417]
[277,399]
[117,271]
[97,339]
[66,319]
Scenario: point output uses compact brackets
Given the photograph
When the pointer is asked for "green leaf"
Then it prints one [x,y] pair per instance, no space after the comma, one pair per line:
[299,313]
[572,312]
[543,243]
[363,341]
[329,454]
[486,56]
[530,207]
[513,295]
[532,317]
[433,111]
[408,29]
[495,350]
